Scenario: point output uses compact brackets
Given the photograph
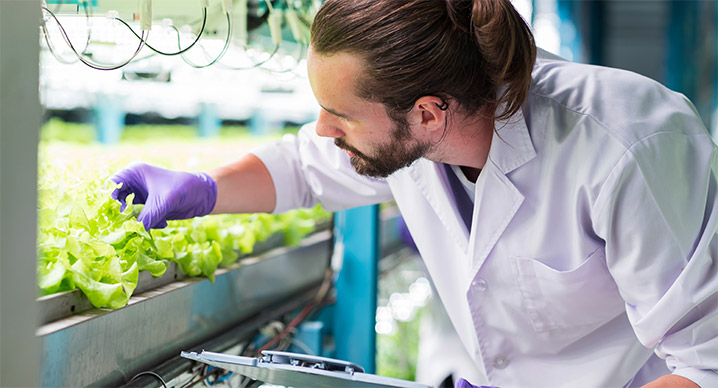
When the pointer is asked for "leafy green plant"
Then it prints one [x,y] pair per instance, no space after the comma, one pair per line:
[397,353]
[57,130]
[86,242]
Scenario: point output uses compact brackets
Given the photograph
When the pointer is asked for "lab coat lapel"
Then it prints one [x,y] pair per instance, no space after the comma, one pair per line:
[497,199]
[431,180]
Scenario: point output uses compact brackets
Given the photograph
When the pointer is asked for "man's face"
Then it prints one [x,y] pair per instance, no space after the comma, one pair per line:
[377,146]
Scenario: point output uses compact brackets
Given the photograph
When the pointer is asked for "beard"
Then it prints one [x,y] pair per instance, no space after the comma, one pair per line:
[399,152]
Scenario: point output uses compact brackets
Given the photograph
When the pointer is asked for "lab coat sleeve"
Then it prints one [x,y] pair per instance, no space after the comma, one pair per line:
[657,212]
[307,169]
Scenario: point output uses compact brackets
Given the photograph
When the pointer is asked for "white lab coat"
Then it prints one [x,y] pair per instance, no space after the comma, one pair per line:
[594,231]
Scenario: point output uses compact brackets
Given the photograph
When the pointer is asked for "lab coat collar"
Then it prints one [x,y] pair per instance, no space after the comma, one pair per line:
[500,200]
[511,144]
[431,180]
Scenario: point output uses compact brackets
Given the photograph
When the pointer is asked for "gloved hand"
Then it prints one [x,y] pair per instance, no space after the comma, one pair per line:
[461,383]
[167,195]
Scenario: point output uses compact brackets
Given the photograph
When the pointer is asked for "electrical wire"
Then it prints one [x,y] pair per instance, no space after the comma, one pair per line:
[52,49]
[221,54]
[194,375]
[303,314]
[224,377]
[48,41]
[220,374]
[318,299]
[204,376]
[255,65]
[79,56]
[153,374]
[143,42]
[181,50]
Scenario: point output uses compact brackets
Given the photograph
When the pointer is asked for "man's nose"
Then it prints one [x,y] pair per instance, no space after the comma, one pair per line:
[326,126]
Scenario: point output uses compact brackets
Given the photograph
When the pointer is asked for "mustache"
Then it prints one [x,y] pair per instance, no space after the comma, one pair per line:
[341,143]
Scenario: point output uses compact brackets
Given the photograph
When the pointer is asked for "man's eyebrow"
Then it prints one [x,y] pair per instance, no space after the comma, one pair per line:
[335,113]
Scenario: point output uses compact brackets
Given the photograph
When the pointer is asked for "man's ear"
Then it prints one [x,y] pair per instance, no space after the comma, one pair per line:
[429,116]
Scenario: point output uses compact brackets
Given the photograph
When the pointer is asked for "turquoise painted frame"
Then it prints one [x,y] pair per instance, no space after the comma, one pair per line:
[354,314]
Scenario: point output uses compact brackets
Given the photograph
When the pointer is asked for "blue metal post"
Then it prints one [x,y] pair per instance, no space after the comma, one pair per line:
[596,12]
[257,123]
[109,120]
[264,121]
[533,14]
[682,39]
[309,338]
[209,123]
[356,286]
[569,29]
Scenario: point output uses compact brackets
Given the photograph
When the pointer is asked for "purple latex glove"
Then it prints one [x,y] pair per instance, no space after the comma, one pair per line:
[167,195]
[461,383]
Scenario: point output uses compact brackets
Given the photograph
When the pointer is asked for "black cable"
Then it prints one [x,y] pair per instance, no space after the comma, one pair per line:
[187,383]
[221,54]
[203,377]
[181,50]
[79,56]
[153,374]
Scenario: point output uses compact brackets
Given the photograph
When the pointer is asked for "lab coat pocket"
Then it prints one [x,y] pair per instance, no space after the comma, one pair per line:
[573,301]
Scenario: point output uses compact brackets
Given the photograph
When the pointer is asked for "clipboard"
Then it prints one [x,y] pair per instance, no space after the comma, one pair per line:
[299,370]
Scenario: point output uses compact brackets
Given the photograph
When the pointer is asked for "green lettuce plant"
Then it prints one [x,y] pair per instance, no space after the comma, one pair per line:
[86,242]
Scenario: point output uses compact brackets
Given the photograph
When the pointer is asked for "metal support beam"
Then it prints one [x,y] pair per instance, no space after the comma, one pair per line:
[309,338]
[20,117]
[357,231]
[682,38]
[209,123]
[109,119]
[569,29]
[595,13]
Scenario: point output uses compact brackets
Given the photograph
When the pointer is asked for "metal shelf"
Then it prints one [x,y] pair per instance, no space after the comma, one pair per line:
[101,347]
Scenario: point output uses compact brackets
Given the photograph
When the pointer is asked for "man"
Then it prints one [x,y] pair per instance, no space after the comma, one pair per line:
[566,213]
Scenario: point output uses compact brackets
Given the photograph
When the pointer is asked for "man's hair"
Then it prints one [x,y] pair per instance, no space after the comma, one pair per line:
[467,50]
